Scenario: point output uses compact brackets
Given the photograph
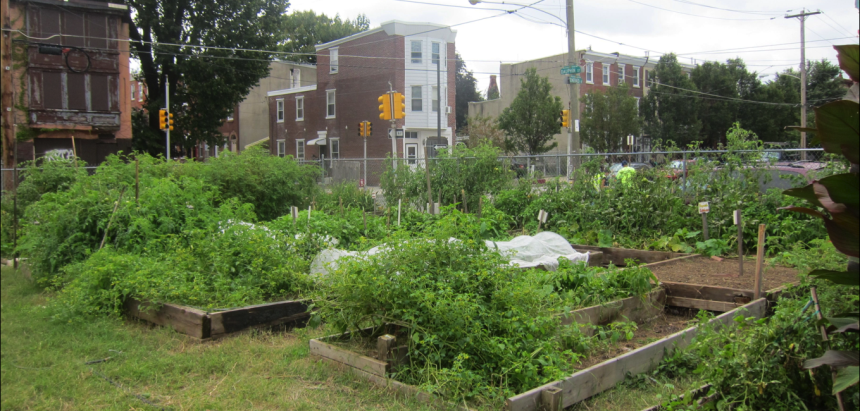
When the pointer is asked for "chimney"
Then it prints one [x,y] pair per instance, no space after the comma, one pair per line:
[493,90]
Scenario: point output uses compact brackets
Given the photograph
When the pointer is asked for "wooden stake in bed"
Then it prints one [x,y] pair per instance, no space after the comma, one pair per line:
[759,262]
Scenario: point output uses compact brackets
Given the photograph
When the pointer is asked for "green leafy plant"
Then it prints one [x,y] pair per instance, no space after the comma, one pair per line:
[713,247]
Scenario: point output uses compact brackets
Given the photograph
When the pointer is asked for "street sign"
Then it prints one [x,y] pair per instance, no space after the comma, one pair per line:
[571,70]
[574,79]
[704,207]
[399,132]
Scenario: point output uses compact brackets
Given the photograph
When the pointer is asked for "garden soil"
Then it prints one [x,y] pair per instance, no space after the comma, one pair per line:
[706,271]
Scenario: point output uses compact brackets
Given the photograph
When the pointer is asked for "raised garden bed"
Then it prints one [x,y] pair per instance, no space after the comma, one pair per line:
[618,256]
[722,273]
[207,325]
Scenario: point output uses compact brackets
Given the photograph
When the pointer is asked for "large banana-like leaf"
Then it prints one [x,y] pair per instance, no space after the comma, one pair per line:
[849,60]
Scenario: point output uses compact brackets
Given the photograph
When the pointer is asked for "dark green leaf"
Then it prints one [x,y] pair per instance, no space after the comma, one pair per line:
[845,378]
[843,188]
[844,278]
[842,324]
[834,358]
[849,60]
[839,128]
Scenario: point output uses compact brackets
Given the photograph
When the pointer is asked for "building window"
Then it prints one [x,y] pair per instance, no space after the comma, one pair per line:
[412,154]
[296,78]
[282,148]
[412,134]
[646,78]
[280,103]
[416,99]
[621,73]
[230,117]
[435,53]
[416,51]
[332,66]
[300,108]
[589,72]
[605,74]
[635,76]
[334,143]
[300,149]
[133,95]
[435,99]
[139,91]
[329,102]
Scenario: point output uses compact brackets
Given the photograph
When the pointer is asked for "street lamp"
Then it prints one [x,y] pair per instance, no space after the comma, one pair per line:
[573,130]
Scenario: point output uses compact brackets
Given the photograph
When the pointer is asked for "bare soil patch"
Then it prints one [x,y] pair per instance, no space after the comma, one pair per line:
[666,324]
[705,271]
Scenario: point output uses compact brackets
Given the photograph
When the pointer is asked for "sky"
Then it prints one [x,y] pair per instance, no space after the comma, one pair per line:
[696,30]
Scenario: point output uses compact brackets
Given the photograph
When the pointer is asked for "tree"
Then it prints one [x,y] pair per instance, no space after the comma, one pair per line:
[825,83]
[205,83]
[483,130]
[532,119]
[305,29]
[609,118]
[732,81]
[466,91]
[670,111]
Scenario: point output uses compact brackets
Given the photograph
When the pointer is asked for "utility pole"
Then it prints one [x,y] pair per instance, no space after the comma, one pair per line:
[573,131]
[8,114]
[802,17]
[167,107]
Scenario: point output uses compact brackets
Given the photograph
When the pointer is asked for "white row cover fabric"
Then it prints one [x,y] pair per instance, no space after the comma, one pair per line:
[542,250]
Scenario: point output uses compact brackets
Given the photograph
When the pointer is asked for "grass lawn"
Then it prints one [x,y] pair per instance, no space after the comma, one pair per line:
[43,366]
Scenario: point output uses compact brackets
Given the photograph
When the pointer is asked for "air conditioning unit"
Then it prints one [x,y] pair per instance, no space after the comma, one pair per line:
[447,109]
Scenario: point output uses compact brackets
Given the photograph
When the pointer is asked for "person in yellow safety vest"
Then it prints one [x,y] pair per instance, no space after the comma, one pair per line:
[597,181]
[625,175]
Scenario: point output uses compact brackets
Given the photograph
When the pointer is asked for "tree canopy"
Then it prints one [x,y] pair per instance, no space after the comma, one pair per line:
[305,29]
[608,118]
[670,111]
[205,83]
[531,121]
[466,91]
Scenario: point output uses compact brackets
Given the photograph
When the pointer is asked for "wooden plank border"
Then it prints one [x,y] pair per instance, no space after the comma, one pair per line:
[637,309]
[605,375]
[710,305]
[707,292]
[617,256]
[203,325]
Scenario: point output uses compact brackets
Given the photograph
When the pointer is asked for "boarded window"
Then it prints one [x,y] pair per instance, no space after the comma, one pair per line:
[99,93]
[73,30]
[52,84]
[77,91]
[97,31]
[50,22]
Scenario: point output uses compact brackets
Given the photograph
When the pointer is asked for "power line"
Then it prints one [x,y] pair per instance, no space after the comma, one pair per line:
[765,45]
[696,15]
[759,12]
[837,23]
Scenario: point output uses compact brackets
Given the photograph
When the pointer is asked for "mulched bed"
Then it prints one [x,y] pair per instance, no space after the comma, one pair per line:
[666,324]
[706,271]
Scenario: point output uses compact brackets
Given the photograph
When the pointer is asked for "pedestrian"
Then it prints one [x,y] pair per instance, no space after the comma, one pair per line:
[626,173]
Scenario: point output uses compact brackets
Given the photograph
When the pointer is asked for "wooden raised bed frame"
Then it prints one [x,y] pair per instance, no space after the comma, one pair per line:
[617,256]
[203,325]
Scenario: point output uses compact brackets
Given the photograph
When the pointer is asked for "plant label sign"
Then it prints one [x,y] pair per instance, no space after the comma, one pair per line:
[542,215]
[704,207]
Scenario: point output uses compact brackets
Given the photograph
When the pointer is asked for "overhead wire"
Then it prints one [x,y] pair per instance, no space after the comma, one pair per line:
[696,15]
[757,12]
[853,34]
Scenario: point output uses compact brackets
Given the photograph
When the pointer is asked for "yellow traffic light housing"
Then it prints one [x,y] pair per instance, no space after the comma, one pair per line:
[165,120]
[384,107]
[565,118]
[368,129]
[399,105]
[361,132]
[170,121]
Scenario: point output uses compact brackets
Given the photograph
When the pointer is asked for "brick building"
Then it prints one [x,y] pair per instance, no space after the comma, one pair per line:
[321,120]
[70,78]
[599,71]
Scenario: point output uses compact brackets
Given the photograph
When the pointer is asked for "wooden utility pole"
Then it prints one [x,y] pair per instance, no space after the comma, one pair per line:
[802,17]
[7,101]
[573,141]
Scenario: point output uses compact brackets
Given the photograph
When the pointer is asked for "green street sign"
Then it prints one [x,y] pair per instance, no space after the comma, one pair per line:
[571,70]
[574,79]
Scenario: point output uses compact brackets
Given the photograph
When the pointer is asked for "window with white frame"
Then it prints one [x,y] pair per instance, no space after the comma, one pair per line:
[589,72]
[334,143]
[621,73]
[139,91]
[412,134]
[280,103]
[282,148]
[133,95]
[417,99]
[332,65]
[416,51]
[295,78]
[300,108]
[605,74]
[300,149]
[329,102]
[412,154]
[435,99]
[434,53]
[635,76]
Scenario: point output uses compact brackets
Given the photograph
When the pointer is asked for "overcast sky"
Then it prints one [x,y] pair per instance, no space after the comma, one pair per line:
[694,29]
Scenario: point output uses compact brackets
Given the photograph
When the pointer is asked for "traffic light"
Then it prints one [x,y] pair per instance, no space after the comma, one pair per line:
[361,131]
[368,129]
[165,120]
[565,118]
[399,105]
[384,107]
